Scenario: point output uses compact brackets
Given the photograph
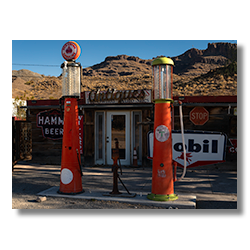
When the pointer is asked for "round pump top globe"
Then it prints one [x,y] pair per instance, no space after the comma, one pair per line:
[71,51]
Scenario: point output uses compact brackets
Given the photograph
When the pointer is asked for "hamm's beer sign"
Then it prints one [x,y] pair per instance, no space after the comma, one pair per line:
[202,148]
[51,123]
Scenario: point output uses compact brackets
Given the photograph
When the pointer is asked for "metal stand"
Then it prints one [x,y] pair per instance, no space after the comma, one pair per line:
[115,167]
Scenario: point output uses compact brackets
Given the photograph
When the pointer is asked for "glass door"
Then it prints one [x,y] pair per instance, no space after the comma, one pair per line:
[118,130]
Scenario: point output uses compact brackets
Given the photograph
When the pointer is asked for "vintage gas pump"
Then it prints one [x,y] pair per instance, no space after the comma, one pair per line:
[71,174]
[162,174]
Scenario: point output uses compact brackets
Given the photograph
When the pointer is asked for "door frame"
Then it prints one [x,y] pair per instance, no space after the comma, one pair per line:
[109,160]
[139,159]
[100,161]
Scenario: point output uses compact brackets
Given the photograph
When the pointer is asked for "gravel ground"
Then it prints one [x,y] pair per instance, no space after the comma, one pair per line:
[30,202]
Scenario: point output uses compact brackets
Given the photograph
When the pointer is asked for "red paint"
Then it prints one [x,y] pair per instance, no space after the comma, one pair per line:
[188,156]
[233,149]
[69,148]
[199,163]
[206,99]
[162,176]
[186,99]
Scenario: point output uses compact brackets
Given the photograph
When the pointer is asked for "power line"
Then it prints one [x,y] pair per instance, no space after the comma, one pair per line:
[43,65]
[40,65]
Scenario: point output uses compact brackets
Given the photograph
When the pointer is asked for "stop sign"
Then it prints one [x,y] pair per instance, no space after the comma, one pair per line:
[199,116]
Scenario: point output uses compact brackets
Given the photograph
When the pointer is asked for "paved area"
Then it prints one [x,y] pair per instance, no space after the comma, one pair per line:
[185,201]
[210,187]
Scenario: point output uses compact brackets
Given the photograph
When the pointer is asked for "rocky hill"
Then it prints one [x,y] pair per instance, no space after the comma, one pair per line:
[29,85]
[121,65]
[212,71]
[195,62]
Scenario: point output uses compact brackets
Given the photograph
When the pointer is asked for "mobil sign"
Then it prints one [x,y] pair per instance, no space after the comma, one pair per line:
[202,148]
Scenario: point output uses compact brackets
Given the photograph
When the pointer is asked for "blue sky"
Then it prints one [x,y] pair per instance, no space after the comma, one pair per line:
[46,54]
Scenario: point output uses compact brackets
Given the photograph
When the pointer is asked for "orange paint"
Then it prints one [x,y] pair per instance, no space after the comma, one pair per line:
[162,176]
[78,50]
[71,179]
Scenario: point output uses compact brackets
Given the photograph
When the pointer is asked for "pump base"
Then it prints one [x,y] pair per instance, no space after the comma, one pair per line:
[162,197]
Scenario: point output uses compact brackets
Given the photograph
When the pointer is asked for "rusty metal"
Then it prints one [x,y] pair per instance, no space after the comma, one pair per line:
[115,167]
[123,184]
[115,157]
[115,180]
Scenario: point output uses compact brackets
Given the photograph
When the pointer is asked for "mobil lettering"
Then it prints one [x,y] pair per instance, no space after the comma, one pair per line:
[206,146]
[202,148]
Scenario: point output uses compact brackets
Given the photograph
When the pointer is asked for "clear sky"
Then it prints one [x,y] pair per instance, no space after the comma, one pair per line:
[44,56]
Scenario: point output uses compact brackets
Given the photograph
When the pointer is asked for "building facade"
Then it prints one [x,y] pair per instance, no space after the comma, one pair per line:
[126,117]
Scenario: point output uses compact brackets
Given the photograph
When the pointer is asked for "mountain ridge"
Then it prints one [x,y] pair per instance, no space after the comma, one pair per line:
[196,72]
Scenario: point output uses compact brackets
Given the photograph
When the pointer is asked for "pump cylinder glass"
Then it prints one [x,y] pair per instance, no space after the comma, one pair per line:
[71,86]
[162,75]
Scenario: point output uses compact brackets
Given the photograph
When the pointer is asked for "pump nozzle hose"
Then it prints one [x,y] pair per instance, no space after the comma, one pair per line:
[183,142]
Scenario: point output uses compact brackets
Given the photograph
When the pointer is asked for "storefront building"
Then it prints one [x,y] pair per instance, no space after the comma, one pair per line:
[126,117]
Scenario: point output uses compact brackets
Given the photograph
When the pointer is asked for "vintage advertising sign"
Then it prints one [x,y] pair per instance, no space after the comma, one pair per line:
[233,148]
[202,147]
[51,123]
[118,96]
[70,51]
[199,116]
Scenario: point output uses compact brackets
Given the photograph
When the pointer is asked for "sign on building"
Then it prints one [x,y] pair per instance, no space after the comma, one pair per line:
[51,123]
[202,148]
[118,96]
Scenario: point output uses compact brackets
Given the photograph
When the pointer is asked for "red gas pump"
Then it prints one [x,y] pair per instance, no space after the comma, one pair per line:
[162,174]
[71,174]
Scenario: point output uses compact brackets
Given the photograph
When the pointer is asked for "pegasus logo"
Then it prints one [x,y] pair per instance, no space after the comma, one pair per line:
[181,157]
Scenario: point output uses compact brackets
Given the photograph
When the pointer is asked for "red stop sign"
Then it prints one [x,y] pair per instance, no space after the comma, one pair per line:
[199,116]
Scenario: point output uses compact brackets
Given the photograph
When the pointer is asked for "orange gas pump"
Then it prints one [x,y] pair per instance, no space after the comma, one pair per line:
[162,174]
[71,173]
